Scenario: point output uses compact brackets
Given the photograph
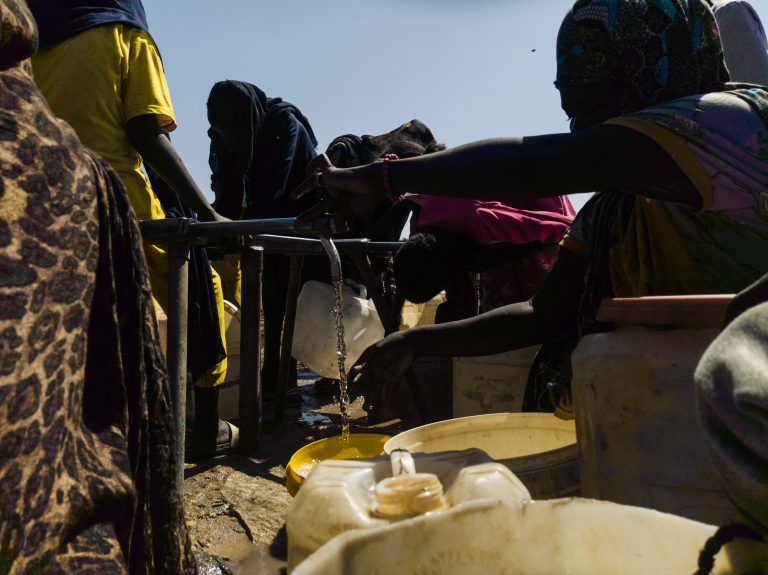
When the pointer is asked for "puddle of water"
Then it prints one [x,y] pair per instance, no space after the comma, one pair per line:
[314,418]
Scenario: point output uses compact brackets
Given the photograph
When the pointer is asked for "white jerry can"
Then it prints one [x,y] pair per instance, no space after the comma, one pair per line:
[344,495]
[314,336]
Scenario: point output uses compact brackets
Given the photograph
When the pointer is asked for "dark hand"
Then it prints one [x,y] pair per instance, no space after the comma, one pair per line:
[379,374]
[223,245]
[349,193]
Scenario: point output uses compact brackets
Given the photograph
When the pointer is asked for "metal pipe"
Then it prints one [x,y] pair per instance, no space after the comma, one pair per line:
[333,256]
[271,233]
[157,230]
[310,246]
[178,302]
[289,245]
[251,263]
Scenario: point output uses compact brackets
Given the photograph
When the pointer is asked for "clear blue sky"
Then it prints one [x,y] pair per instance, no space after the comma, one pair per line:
[469,69]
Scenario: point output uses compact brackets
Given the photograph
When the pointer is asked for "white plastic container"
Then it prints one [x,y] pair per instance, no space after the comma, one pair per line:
[557,537]
[229,394]
[640,440]
[339,495]
[314,336]
[538,448]
[231,333]
[491,383]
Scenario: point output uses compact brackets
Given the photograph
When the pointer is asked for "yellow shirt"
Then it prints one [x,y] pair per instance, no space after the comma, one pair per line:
[97,81]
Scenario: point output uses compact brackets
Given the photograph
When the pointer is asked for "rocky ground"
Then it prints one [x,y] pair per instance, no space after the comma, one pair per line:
[236,505]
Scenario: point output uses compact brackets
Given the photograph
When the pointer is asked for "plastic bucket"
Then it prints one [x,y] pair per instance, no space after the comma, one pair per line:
[361,446]
[231,333]
[537,447]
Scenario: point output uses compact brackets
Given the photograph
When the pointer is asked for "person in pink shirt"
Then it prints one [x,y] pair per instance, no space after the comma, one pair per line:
[483,253]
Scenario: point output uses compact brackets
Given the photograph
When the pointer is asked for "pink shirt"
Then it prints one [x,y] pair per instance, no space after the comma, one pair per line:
[545,220]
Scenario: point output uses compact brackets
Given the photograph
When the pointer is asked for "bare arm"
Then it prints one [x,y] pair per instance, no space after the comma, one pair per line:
[156,149]
[551,312]
[601,158]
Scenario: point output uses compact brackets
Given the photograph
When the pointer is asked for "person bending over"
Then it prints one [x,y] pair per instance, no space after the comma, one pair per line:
[484,254]
[259,149]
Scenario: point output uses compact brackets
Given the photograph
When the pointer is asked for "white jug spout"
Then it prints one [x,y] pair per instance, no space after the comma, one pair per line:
[402,462]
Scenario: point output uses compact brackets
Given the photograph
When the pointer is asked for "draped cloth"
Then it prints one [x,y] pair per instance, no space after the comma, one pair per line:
[260,152]
[654,51]
[659,50]
[205,348]
[732,397]
[86,428]
[58,20]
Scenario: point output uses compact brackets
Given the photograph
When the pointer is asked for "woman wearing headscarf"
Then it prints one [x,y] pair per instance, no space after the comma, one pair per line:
[86,429]
[678,154]
[260,147]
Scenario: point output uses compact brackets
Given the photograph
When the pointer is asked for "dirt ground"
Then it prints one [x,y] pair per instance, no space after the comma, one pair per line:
[236,505]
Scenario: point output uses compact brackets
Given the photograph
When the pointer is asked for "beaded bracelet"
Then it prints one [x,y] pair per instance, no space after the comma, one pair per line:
[394,198]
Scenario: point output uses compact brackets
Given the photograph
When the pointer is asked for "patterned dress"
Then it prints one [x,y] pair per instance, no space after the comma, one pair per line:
[86,431]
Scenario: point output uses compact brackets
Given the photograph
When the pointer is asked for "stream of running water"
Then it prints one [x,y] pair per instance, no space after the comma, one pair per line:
[341,349]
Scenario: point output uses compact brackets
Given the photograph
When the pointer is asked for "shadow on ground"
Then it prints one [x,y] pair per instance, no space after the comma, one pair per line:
[235,505]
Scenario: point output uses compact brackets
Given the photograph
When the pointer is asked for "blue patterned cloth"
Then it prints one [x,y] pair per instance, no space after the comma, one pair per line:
[658,50]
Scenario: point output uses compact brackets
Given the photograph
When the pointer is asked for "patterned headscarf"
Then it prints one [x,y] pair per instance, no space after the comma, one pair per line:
[18,33]
[658,50]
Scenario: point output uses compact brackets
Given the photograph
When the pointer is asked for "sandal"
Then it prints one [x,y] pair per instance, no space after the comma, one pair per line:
[227,441]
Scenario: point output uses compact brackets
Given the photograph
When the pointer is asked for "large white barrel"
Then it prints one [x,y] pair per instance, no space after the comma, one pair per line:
[640,440]
[555,537]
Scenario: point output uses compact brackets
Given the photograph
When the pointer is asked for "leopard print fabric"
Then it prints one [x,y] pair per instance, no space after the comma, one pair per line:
[85,420]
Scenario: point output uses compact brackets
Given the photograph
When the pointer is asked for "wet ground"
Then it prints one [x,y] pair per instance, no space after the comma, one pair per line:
[236,505]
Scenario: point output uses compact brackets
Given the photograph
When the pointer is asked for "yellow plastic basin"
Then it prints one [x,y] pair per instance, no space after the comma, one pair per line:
[361,446]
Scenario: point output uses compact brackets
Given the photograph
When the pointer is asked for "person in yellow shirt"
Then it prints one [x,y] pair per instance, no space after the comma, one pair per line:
[101,71]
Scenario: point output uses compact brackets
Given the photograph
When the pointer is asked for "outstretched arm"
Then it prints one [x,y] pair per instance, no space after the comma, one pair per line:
[604,157]
[156,149]
[551,312]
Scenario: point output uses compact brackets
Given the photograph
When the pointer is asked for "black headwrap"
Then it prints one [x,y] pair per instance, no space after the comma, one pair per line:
[250,106]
